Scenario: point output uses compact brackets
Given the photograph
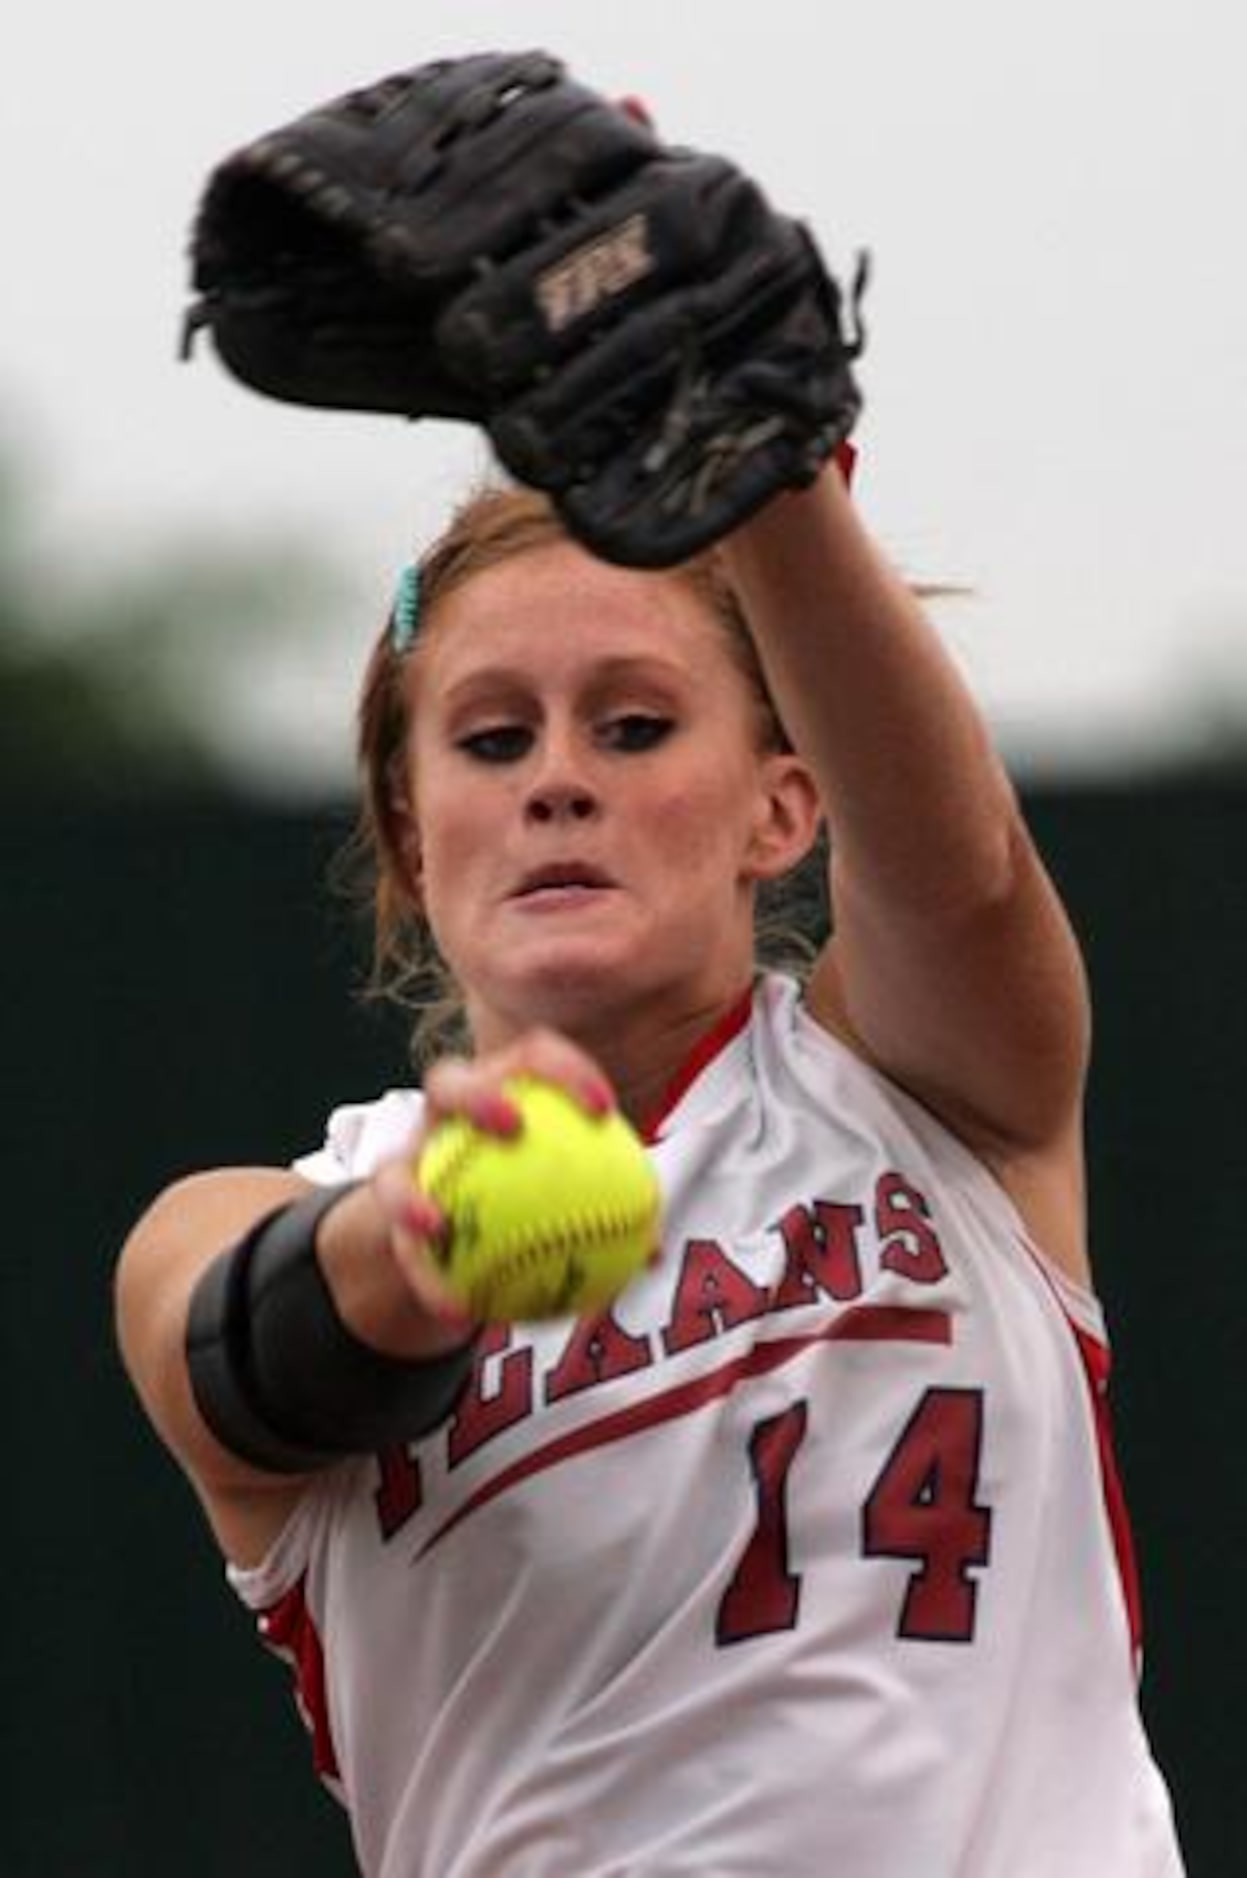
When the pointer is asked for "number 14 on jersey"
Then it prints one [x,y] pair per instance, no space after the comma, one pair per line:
[923,1507]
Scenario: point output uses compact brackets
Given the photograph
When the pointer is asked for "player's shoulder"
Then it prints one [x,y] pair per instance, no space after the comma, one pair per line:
[1045,1189]
[359,1135]
[805,1053]
[802,1034]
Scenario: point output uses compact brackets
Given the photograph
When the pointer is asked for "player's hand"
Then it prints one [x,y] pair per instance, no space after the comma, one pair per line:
[474,1088]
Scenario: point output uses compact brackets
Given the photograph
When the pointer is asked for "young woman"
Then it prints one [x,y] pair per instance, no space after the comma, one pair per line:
[809,1554]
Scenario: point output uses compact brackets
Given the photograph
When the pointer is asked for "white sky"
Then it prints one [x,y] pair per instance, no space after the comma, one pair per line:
[1056,382]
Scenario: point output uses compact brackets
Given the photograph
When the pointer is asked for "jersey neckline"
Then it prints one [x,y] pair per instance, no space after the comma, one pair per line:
[711,1044]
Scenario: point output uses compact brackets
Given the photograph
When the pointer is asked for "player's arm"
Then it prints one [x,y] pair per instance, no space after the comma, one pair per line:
[953,964]
[271,1328]
[182,1232]
[195,1227]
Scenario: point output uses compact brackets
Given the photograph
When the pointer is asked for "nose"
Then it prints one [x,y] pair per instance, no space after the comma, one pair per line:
[555,801]
[561,790]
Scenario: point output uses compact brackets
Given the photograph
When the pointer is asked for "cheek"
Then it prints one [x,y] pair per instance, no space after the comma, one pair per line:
[451,844]
[702,822]
[453,835]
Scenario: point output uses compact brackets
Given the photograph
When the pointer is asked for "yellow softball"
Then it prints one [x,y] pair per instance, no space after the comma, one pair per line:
[549,1222]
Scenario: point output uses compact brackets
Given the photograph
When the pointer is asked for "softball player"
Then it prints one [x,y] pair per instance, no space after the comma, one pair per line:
[809,1553]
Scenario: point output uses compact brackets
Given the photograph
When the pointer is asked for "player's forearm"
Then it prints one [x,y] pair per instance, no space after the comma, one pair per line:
[920,807]
[198,1225]
[360,1250]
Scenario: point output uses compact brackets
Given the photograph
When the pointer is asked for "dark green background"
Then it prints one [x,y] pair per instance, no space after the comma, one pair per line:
[178,993]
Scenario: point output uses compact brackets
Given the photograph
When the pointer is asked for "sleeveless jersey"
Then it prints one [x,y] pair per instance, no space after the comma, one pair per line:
[805,1558]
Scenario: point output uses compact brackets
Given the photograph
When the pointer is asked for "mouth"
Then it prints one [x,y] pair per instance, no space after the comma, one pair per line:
[562,882]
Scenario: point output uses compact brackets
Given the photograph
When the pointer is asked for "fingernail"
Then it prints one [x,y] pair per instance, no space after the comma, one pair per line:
[500,1115]
[422,1218]
[449,1316]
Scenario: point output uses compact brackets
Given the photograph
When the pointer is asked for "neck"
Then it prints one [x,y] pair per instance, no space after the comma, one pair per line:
[643,1052]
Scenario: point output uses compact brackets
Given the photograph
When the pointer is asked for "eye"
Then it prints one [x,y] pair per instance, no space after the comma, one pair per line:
[497,743]
[636,730]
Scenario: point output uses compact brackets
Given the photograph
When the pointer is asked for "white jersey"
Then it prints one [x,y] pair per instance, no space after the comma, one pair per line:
[806,1558]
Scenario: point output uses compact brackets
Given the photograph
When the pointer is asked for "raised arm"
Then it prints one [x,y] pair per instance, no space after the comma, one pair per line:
[952,966]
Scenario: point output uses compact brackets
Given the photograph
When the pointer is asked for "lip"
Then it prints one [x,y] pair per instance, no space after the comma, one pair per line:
[564,881]
[551,900]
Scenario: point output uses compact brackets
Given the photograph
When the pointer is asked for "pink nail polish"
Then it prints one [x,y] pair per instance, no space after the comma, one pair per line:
[450,1316]
[422,1218]
[500,1115]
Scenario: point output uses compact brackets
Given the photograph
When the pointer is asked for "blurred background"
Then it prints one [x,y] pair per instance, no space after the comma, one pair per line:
[1056,418]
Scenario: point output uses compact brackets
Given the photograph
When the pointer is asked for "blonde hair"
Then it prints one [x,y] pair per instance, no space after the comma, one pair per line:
[494,525]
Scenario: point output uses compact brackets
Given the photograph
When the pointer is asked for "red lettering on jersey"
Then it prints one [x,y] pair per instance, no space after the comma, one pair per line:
[484,1412]
[597,1351]
[399,1493]
[711,1295]
[909,1241]
[821,1244]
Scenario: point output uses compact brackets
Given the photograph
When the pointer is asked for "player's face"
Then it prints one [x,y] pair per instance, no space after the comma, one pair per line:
[591,805]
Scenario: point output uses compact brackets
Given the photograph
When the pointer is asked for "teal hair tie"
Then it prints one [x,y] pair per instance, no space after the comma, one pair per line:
[406,614]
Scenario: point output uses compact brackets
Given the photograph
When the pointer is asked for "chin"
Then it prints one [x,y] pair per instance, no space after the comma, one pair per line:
[568,987]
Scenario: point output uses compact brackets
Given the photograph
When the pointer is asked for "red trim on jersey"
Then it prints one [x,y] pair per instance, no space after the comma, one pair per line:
[863,1323]
[1097,1362]
[288,1629]
[717,1038]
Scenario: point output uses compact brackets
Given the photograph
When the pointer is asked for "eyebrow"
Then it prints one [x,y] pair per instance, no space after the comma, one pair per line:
[624,668]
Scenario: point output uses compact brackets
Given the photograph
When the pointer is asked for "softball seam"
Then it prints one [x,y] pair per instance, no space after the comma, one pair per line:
[516,1253]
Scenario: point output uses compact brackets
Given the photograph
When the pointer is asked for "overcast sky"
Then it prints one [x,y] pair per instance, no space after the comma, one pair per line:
[1056,382]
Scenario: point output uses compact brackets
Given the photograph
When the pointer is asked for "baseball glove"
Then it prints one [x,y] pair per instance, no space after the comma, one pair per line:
[638,331]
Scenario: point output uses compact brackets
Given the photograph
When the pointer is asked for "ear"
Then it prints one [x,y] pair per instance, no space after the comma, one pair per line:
[787,818]
[403,841]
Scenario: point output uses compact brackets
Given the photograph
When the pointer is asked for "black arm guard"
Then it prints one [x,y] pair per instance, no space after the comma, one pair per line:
[277,1376]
